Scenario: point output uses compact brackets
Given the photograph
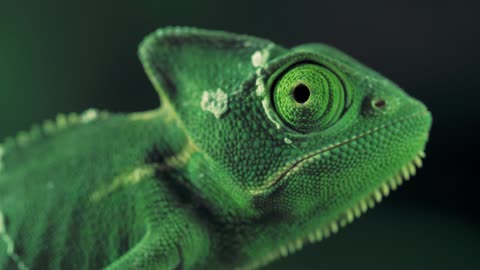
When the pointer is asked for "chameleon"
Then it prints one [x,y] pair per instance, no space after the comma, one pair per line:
[254,151]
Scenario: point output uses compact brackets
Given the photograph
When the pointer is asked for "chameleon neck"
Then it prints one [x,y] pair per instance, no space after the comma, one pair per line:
[183,159]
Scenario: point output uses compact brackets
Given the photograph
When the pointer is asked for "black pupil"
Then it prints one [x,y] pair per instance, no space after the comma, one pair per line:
[301,93]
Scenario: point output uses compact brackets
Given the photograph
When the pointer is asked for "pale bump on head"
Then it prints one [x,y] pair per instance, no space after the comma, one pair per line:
[260,91]
[259,60]
[215,102]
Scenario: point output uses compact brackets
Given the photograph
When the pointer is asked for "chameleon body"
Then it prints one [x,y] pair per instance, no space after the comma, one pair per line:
[254,151]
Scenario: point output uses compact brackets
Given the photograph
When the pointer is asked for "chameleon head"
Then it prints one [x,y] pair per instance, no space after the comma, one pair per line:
[356,134]
[309,137]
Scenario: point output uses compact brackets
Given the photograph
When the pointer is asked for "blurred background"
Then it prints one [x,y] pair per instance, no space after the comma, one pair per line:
[60,56]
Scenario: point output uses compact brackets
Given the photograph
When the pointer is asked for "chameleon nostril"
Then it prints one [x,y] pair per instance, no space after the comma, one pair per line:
[379,103]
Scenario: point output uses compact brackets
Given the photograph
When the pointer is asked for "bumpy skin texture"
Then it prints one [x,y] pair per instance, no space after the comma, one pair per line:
[254,150]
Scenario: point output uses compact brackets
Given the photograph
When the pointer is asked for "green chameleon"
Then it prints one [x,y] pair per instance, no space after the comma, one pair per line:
[254,151]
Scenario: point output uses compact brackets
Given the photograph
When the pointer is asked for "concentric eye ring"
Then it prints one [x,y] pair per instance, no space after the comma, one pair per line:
[309,96]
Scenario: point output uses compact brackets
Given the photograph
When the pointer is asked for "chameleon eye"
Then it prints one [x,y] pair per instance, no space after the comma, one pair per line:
[309,97]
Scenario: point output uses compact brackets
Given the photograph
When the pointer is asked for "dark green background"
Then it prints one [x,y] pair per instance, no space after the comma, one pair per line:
[57,56]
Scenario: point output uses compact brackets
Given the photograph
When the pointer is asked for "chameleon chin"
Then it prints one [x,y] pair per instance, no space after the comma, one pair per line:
[254,151]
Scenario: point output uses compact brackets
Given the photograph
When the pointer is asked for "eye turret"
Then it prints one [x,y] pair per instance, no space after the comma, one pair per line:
[309,97]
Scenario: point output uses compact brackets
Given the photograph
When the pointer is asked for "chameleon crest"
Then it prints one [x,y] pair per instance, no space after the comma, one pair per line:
[254,151]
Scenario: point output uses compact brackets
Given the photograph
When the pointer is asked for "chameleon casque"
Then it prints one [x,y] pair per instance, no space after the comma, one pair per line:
[254,151]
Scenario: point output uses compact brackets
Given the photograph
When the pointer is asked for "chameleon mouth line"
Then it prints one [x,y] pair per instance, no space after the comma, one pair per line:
[314,154]
[348,215]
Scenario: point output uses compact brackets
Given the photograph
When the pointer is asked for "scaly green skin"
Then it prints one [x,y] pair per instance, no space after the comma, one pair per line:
[254,150]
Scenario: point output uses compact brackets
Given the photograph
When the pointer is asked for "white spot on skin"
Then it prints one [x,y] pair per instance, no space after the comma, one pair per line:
[215,102]
[268,113]
[258,59]
[9,244]
[287,141]
[89,115]
[260,87]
